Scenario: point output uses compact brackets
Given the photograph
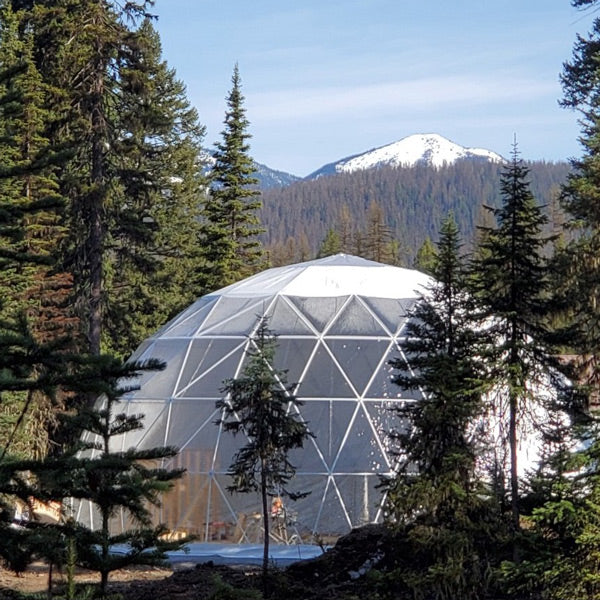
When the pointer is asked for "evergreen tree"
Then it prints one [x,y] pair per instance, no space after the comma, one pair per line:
[436,502]
[133,185]
[153,256]
[581,200]
[231,225]
[345,228]
[37,360]
[564,554]
[31,229]
[116,483]
[426,257]
[330,245]
[377,237]
[559,548]
[511,286]
[260,405]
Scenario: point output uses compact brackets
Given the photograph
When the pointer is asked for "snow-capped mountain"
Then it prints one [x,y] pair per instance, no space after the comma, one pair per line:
[267,177]
[431,149]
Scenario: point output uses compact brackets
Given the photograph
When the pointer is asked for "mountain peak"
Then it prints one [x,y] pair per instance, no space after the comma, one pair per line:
[422,148]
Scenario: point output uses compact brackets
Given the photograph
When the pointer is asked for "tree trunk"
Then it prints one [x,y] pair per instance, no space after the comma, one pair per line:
[514,475]
[265,509]
[105,550]
[96,233]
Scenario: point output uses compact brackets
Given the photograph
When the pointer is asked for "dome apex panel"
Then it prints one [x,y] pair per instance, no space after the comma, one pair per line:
[339,322]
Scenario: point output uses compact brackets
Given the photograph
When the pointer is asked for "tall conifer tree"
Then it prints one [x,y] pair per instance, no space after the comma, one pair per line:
[330,244]
[133,185]
[259,404]
[377,237]
[117,484]
[581,200]
[564,561]
[435,501]
[511,286]
[31,228]
[153,257]
[231,222]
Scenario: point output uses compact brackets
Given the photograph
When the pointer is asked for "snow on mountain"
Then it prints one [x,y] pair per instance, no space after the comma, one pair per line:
[431,149]
[267,177]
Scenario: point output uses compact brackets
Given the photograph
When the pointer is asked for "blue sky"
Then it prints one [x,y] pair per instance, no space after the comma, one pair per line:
[324,79]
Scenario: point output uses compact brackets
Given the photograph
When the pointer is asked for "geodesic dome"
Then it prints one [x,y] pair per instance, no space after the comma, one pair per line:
[339,320]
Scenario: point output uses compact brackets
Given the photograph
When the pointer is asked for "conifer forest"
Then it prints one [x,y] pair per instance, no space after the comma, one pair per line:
[113,220]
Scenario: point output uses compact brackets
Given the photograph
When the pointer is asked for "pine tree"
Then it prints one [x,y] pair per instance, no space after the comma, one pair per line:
[426,256]
[115,483]
[436,502]
[330,245]
[153,257]
[511,286]
[133,184]
[377,237]
[345,228]
[260,405]
[581,200]
[563,560]
[231,224]
[31,229]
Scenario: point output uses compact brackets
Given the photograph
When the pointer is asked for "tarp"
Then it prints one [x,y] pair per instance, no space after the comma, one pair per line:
[237,554]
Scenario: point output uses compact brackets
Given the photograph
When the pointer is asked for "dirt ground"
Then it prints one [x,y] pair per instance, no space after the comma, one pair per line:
[190,583]
[35,579]
[338,574]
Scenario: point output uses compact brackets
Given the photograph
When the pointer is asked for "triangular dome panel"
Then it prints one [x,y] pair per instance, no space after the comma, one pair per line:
[227,309]
[309,458]
[200,307]
[332,514]
[204,356]
[381,385]
[286,320]
[384,419]
[292,355]
[241,324]
[155,416]
[328,421]
[355,319]
[319,311]
[361,451]
[324,379]
[159,384]
[189,322]
[392,312]
[359,358]
[182,429]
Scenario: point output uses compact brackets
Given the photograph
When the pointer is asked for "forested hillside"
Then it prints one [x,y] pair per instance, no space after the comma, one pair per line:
[413,203]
